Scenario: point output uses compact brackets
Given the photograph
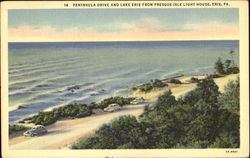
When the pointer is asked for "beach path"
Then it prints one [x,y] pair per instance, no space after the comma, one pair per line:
[65,132]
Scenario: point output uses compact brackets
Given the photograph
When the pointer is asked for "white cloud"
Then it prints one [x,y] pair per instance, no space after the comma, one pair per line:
[143,29]
[208,25]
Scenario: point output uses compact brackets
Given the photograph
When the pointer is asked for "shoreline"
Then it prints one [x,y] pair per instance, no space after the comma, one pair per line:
[51,108]
[70,125]
[48,109]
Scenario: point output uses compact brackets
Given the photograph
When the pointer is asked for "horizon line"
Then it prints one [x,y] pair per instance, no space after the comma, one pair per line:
[121,41]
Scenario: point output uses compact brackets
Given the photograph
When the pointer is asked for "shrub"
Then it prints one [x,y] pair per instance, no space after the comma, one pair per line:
[117,134]
[219,66]
[194,80]
[83,113]
[233,70]
[230,99]
[134,88]
[74,110]
[69,111]
[203,128]
[192,97]
[224,140]
[214,76]
[158,83]
[146,108]
[209,91]
[176,81]
[126,146]
[226,68]
[114,100]
[165,101]
[92,105]
[88,143]
[146,87]
[15,128]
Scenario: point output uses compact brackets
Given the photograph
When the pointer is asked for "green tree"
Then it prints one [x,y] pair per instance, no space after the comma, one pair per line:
[229,123]
[107,138]
[230,99]
[194,121]
[219,66]
[192,97]
[232,56]
[165,101]
[203,128]
[224,140]
[209,91]
[87,143]
[122,127]
[228,66]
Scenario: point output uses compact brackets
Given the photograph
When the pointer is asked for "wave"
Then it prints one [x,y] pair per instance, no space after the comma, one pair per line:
[171,74]
[68,69]
[34,64]
[155,71]
[121,91]
[57,93]
[39,84]
[25,80]
[65,103]
[200,70]
[31,73]
[132,72]
[21,84]
[84,93]
[42,66]
[16,106]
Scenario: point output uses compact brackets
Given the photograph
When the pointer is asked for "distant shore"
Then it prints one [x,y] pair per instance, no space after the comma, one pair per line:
[65,132]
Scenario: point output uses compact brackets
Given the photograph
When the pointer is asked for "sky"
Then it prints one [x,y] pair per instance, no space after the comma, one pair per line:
[151,24]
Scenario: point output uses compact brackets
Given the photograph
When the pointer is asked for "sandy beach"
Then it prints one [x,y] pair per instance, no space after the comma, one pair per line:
[65,132]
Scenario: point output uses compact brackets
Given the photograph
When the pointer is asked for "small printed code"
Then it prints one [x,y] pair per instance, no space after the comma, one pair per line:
[231,151]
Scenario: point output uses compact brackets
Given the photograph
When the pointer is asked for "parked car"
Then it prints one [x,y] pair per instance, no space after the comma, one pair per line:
[137,101]
[36,131]
[112,108]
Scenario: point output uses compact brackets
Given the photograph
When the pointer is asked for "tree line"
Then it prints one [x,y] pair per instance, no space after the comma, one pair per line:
[226,67]
[203,118]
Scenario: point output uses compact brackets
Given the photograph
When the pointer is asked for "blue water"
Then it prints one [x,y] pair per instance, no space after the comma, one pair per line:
[46,75]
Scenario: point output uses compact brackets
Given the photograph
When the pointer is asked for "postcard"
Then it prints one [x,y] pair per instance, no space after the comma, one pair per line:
[125,79]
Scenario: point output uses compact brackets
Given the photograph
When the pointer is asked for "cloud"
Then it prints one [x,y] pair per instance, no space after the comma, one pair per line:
[212,25]
[149,28]
[146,24]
